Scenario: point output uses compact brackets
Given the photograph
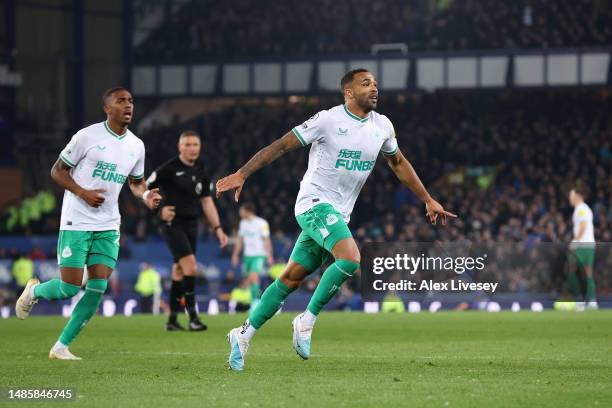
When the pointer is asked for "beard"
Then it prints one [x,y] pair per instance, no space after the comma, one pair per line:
[366,104]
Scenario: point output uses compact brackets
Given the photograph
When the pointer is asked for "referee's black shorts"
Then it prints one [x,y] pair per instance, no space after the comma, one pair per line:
[181,235]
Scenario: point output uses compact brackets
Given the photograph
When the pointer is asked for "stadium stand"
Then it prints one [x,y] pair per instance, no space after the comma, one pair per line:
[206,29]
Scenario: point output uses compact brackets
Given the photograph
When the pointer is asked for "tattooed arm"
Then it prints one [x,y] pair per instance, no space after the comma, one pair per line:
[261,159]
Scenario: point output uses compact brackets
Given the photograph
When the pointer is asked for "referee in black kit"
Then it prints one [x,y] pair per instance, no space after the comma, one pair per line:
[185,187]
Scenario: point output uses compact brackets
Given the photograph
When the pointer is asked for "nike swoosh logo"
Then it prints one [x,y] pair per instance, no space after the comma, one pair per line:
[180,173]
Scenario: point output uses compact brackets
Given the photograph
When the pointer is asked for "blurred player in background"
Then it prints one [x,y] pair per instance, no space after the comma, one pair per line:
[254,238]
[582,249]
[346,140]
[92,169]
[185,186]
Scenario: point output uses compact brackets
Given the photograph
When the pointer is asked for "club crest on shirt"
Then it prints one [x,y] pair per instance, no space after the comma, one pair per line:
[152,177]
[331,219]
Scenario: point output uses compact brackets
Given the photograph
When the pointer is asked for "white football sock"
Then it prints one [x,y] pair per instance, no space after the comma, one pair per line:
[248,331]
[59,345]
[32,290]
[308,318]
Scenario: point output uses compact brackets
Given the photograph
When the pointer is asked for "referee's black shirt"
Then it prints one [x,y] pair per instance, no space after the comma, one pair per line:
[181,186]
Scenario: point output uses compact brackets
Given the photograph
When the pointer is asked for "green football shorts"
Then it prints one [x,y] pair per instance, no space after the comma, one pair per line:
[253,264]
[584,255]
[322,227]
[75,249]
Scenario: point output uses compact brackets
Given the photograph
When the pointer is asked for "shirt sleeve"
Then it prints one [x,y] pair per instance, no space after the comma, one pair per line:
[138,169]
[155,179]
[75,150]
[313,129]
[265,229]
[389,146]
[205,191]
[582,215]
[241,229]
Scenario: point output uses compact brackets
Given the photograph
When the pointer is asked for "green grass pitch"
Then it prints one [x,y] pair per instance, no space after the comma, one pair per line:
[446,359]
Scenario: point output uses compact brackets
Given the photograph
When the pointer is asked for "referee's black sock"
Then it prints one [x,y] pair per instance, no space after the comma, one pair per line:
[176,293]
[189,282]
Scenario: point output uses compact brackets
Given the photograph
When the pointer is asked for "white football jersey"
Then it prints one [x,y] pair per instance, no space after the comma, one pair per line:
[582,212]
[253,233]
[100,159]
[343,153]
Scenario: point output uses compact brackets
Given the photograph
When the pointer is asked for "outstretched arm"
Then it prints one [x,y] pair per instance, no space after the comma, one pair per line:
[407,175]
[261,159]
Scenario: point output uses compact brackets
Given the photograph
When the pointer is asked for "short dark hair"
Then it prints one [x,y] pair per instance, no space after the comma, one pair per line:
[581,190]
[188,133]
[109,92]
[250,207]
[348,77]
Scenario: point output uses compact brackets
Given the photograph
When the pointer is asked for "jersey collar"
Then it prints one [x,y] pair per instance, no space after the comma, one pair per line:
[113,133]
[353,116]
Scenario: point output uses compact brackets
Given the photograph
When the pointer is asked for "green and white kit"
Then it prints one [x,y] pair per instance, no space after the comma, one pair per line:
[254,231]
[343,153]
[100,159]
[584,248]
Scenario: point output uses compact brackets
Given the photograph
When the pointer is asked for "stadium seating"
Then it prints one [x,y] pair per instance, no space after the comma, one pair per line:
[207,29]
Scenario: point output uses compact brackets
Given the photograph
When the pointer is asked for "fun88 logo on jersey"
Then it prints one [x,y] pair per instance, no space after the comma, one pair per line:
[108,172]
[350,160]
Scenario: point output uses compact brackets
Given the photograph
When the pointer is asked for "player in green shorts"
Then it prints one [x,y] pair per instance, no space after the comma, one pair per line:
[345,142]
[254,238]
[582,250]
[92,169]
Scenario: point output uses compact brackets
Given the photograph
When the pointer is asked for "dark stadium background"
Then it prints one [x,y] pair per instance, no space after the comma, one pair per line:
[501,106]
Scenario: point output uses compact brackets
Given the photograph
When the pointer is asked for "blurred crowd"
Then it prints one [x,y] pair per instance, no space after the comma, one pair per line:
[292,28]
[503,161]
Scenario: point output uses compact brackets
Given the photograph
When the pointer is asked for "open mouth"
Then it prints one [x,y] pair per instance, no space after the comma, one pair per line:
[373,98]
[127,115]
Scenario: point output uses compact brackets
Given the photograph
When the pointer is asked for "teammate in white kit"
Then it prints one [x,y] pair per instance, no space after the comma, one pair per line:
[254,237]
[92,169]
[346,140]
[582,249]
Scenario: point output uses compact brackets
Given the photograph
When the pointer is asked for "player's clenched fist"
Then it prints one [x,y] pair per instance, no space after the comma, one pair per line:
[152,198]
[93,198]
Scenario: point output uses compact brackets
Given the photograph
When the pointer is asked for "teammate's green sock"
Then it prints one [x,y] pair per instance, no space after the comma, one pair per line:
[55,289]
[331,281]
[590,289]
[255,291]
[272,298]
[84,310]
[574,285]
